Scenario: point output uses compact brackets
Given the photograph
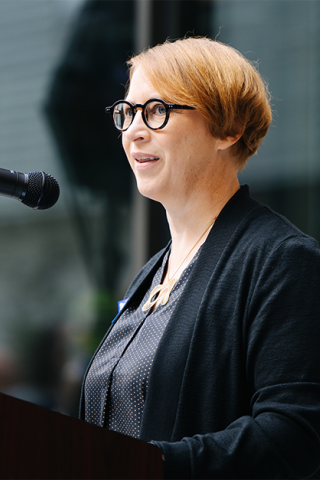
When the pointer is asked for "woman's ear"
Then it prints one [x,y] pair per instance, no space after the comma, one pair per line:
[228,141]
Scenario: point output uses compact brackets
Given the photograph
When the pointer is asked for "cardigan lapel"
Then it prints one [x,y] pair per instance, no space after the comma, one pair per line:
[162,401]
[134,294]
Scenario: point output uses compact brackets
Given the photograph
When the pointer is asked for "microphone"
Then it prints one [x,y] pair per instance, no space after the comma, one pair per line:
[37,190]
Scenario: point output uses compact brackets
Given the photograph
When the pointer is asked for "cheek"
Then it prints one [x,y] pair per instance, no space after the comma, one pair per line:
[177,148]
[124,142]
[193,155]
[125,145]
[183,150]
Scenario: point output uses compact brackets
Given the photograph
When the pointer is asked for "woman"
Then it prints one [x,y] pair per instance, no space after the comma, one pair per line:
[214,357]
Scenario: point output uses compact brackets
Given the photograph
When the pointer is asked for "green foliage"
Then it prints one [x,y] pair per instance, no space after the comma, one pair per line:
[106,308]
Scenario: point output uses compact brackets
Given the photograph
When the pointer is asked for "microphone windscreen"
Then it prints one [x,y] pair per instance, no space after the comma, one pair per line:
[43,191]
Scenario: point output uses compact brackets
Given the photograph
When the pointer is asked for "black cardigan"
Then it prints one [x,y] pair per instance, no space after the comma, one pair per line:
[234,391]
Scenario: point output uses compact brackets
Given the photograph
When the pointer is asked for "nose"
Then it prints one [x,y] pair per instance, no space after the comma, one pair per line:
[137,129]
[136,115]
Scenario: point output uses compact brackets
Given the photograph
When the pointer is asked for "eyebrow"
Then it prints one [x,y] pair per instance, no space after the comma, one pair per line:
[138,103]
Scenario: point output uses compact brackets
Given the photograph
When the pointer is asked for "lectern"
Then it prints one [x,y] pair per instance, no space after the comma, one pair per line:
[37,443]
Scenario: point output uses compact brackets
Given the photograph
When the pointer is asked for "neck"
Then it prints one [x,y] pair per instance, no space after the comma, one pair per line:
[189,230]
[198,214]
[189,224]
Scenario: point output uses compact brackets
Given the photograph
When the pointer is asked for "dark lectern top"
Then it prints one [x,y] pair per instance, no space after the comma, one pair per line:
[37,443]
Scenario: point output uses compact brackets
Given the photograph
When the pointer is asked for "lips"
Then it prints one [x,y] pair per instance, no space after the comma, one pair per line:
[144,157]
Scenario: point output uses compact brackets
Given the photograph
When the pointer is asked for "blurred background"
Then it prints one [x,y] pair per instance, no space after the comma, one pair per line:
[63,270]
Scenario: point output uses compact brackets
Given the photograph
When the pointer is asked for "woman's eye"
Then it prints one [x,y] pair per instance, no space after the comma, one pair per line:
[158,109]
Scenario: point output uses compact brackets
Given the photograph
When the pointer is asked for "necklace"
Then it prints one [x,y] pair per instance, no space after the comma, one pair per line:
[163,291]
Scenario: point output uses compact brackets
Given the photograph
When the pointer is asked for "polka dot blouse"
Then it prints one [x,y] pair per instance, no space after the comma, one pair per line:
[116,385]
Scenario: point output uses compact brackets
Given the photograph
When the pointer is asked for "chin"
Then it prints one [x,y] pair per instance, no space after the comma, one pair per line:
[149,195]
[149,192]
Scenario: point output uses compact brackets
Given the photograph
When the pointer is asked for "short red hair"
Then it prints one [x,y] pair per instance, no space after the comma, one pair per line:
[218,81]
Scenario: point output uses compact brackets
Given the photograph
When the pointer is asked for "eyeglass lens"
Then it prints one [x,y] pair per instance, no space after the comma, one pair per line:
[154,113]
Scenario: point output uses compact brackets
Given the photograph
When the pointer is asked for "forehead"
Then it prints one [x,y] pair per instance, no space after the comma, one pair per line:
[141,89]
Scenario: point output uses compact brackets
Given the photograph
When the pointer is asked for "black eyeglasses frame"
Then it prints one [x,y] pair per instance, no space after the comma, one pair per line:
[168,107]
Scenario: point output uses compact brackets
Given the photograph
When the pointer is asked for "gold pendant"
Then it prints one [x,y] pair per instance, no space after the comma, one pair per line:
[164,294]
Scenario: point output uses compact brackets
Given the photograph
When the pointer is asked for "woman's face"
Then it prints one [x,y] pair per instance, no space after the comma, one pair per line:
[176,163]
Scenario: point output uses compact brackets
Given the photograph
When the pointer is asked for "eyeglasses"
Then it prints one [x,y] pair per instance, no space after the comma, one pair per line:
[155,113]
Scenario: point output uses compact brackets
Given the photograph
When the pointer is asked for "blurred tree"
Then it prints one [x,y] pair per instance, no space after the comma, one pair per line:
[91,75]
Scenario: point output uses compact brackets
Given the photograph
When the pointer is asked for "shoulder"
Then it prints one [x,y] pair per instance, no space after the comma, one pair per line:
[261,241]
[279,264]
[276,235]
[266,230]
[246,223]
